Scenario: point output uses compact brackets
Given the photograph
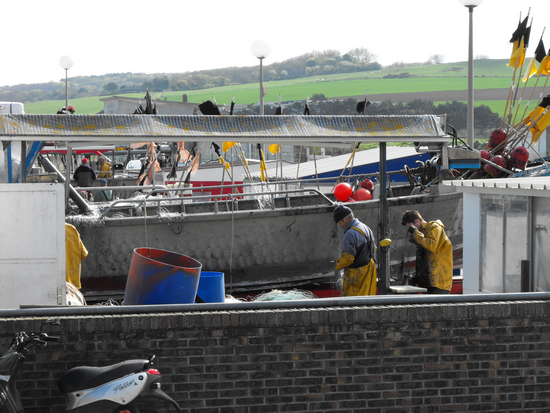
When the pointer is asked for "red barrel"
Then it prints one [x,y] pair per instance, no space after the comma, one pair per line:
[161,277]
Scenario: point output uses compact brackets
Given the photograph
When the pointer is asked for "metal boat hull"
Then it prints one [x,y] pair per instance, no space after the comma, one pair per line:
[254,247]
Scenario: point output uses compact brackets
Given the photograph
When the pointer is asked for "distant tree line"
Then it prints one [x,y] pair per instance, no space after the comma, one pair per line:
[309,64]
[485,120]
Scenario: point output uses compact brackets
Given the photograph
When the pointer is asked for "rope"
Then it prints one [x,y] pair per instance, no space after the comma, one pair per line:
[232,245]
[145,223]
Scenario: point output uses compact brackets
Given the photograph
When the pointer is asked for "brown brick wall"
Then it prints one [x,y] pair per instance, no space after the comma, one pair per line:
[461,357]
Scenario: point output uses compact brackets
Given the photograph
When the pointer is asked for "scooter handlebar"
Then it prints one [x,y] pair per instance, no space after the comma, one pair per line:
[50,338]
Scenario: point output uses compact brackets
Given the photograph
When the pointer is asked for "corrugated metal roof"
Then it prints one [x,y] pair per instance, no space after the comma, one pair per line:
[293,130]
[337,163]
[506,186]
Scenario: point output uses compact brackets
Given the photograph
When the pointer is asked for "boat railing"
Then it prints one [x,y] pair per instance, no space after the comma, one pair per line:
[233,198]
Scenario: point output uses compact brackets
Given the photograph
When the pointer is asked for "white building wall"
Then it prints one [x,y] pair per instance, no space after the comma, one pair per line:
[32,245]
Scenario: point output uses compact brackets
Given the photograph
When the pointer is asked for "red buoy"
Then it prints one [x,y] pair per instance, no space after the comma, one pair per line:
[491,170]
[343,191]
[519,157]
[367,184]
[362,194]
[496,138]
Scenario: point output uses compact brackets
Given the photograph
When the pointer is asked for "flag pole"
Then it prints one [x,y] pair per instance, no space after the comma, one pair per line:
[519,37]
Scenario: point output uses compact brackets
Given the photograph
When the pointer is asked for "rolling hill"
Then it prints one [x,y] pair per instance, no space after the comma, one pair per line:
[438,83]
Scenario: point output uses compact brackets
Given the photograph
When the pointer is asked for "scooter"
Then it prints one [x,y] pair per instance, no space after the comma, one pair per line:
[88,389]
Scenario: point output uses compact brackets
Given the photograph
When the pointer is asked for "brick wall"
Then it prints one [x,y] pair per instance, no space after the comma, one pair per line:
[484,356]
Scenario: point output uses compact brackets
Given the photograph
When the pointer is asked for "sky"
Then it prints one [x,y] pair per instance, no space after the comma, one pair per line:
[176,36]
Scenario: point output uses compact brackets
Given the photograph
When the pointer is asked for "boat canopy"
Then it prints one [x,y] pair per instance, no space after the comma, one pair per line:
[285,129]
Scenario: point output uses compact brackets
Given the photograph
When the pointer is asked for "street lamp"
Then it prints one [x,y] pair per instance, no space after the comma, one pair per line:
[66,63]
[470,4]
[261,50]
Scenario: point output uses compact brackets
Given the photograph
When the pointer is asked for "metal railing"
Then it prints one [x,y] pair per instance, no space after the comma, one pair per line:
[233,198]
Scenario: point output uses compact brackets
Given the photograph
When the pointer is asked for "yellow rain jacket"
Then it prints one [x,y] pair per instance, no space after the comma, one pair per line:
[358,243]
[106,167]
[434,256]
[75,252]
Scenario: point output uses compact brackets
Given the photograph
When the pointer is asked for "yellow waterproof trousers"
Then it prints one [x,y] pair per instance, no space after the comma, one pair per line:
[360,281]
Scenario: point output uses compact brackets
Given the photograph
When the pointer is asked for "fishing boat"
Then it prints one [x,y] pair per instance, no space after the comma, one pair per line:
[259,238]
[272,239]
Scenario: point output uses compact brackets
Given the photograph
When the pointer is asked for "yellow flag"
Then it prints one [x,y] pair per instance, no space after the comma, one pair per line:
[529,118]
[263,170]
[541,124]
[518,56]
[544,67]
[515,46]
[274,148]
[531,69]
[244,158]
[228,145]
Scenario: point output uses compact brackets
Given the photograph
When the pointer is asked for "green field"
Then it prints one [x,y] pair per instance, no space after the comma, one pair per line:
[489,74]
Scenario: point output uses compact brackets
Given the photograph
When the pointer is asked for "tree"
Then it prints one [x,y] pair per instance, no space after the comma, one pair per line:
[436,59]
[160,84]
[318,96]
[348,58]
[362,55]
[148,84]
[110,88]
[311,62]
[332,54]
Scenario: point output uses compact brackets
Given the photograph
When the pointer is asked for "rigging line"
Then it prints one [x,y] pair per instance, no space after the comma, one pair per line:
[145,224]
[232,241]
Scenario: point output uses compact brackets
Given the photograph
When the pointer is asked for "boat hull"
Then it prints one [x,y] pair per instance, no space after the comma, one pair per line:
[255,247]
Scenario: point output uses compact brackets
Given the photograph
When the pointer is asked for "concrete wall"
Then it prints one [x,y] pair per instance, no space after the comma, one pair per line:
[410,357]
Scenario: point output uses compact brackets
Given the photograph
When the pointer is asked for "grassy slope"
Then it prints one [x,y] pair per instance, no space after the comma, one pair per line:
[490,74]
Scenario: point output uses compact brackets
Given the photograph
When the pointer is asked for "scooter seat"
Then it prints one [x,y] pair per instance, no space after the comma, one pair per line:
[85,377]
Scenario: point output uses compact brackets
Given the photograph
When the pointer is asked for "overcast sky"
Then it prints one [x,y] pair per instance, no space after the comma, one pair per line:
[171,36]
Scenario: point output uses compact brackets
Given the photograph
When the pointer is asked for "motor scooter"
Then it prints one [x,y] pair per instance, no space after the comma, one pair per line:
[88,389]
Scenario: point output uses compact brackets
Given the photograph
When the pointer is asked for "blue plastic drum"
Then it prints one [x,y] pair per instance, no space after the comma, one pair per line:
[161,277]
[211,287]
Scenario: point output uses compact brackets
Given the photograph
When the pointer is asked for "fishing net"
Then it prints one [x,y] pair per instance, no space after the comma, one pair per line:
[109,303]
[280,295]
[91,219]
[264,201]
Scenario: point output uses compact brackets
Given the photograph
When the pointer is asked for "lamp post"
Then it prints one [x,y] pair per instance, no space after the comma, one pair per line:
[66,63]
[470,4]
[261,50]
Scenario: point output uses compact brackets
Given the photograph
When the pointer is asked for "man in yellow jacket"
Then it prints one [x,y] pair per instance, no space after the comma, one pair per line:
[434,253]
[75,252]
[104,167]
[357,258]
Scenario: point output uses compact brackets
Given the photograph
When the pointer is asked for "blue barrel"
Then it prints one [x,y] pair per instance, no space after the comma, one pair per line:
[211,287]
[161,277]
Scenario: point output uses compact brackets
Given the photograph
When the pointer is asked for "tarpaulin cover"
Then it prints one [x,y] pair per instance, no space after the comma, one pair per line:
[288,129]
